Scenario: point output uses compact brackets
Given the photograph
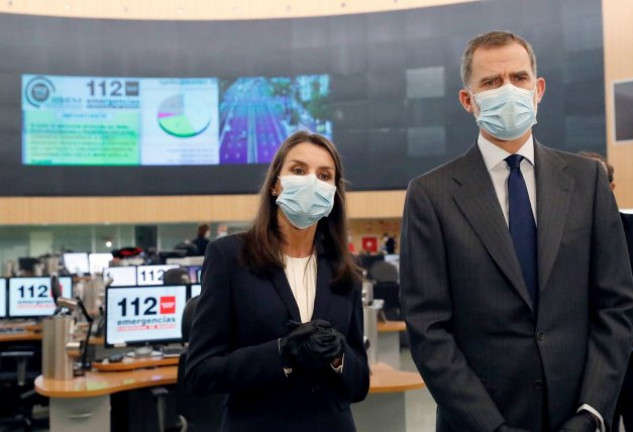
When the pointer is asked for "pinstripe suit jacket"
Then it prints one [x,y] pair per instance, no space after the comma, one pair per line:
[486,354]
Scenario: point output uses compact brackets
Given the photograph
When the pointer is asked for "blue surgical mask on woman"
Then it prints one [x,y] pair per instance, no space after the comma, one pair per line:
[305,199]
[507,112]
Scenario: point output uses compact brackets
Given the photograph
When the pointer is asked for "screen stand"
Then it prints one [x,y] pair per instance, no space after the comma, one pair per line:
[144,351]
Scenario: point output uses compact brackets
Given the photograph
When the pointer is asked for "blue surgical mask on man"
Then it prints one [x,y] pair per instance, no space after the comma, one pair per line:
[305,199]
[507,112]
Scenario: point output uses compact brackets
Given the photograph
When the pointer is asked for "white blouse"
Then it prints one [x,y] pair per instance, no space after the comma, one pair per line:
[301,274]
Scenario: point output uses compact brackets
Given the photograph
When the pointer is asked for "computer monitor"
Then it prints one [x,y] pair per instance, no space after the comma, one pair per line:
[152,274]
[121,276]
[195,290]
[3,297]
[194,273]
[27,264]
[99,261]
[31,297]
[76,263]
[142,315]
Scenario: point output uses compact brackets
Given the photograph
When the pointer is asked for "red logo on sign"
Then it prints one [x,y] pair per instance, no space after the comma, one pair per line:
[168,305]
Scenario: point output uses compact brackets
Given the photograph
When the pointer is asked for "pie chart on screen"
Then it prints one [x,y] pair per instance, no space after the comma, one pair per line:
[184,115]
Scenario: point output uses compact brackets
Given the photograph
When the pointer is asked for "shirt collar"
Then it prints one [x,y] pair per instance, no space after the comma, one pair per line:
[493,155]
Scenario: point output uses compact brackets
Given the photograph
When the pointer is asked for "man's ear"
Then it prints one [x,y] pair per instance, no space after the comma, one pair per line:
[540,89]
[466,99]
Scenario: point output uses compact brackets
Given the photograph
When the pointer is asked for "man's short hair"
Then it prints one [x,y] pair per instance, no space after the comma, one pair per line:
[493,39]
[597,156]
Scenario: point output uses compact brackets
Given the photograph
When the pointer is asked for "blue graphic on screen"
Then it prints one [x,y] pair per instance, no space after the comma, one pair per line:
[257,114]
[131,121]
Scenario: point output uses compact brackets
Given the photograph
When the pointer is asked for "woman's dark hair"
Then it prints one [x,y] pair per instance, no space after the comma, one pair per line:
[263,242]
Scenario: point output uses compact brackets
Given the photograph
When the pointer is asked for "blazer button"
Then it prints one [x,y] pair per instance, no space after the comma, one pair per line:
[538,384]
[539,336]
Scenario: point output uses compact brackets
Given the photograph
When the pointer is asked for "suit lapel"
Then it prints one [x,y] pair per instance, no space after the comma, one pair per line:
[280,281]
[553,194]
[478,202]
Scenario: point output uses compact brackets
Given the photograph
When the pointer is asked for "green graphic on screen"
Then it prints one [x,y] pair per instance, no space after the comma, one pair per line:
[80,139]
[183,116]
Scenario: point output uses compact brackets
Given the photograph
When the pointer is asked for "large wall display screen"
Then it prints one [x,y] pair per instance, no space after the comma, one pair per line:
[105,107]
[166,121]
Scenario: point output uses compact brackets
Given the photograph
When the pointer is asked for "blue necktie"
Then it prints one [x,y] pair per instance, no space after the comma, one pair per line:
[522,226]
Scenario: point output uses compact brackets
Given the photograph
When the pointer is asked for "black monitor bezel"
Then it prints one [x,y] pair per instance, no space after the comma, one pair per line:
[5,310]
[190,290]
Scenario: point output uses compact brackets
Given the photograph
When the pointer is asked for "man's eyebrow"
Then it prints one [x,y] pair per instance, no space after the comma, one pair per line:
[489,78]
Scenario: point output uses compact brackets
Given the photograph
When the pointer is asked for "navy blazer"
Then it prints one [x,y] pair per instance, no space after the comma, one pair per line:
[234,347]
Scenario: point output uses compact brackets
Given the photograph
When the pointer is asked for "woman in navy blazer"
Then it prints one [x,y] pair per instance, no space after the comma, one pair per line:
[253,306]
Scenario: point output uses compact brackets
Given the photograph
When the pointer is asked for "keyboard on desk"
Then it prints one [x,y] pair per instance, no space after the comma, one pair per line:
[171,351]
[12,330]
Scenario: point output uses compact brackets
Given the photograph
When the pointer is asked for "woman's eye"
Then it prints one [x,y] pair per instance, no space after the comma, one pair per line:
[324,176]
[298,171]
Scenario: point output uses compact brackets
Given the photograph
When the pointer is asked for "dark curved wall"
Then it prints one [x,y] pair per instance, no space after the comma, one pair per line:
[394,83]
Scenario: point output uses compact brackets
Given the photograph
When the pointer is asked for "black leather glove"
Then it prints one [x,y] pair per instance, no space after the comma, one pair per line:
[311,345]
[328,343]
[584,421]
[504,428]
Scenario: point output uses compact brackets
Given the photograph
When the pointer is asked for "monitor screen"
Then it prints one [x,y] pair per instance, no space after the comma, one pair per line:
[140,121]
[152,274]
[121,276]
[76,263]
[3,297]
[195,290]
[194,273]
[201,106]
[99,261]
[32,296]
[149,314]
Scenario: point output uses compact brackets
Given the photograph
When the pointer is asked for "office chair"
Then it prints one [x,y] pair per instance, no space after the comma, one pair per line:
[16,380]
[196,413]
[386,286]
[176,276]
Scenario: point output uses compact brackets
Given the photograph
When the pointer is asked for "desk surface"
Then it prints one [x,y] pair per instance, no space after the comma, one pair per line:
[391,326]
[32,331]
[132,363]
[104,383]
[384,379]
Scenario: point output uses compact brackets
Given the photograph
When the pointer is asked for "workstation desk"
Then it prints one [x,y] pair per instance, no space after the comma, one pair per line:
[83,403]
[12,332]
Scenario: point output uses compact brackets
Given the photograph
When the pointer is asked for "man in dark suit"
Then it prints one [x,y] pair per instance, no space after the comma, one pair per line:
[514,268]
